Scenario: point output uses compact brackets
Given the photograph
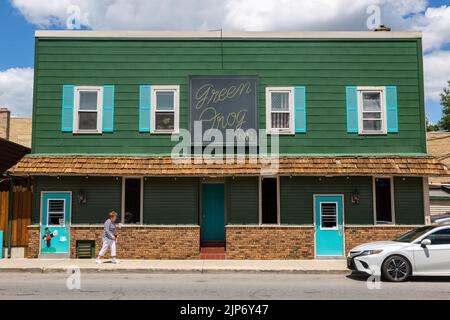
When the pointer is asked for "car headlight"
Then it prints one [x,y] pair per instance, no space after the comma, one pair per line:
[370,252]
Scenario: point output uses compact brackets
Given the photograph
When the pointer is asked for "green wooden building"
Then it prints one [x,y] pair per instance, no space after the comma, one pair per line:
[334,146]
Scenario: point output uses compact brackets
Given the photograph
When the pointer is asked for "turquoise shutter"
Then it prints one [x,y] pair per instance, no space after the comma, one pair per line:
[352,109]
[391,109]
[144,108]
[300,109]
[68,94]
[108,108]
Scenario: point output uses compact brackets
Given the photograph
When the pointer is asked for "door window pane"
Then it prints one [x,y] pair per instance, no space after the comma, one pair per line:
[328,215]
[56,212]
[88,100]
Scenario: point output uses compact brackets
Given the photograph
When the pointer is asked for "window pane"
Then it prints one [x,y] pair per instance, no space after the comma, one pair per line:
[371,101]
[280,101]
[164,121]
[328,213]
[383,200]
[55,212]
[440,237]
[372,125]
[269,201]
[132,201]
[87,120]
[280,120]
[88,100]
[372,115]
[164,100]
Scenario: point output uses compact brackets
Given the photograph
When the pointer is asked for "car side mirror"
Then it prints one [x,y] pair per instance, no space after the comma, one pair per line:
[425,242]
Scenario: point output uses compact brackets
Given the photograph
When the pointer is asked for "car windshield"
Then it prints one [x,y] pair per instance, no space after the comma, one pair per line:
[413,234]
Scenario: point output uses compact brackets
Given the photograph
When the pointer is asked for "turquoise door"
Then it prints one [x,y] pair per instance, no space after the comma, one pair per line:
[55,232]
[213,212]
[329,226]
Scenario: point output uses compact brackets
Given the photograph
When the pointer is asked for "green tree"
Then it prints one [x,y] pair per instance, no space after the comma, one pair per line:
[444,124]
[431,127]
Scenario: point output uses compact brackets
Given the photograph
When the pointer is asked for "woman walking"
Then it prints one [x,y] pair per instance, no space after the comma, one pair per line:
[109,238]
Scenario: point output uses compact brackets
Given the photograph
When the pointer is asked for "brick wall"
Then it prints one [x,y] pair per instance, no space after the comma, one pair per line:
[4,123]
[135,242]
[355,236]
[32,250]
[270,242]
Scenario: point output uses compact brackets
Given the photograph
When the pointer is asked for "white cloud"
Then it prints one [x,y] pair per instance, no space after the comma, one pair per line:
[435,25]
[16,90]
[273,15]
[437,73]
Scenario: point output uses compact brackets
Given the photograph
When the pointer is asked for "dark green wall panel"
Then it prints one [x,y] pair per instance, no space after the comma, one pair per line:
[325,67]
[296,198]
[170,201]
[103,195]
[408,193]
[243,200]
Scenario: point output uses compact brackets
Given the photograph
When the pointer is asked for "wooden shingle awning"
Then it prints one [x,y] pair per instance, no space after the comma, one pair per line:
[40,165]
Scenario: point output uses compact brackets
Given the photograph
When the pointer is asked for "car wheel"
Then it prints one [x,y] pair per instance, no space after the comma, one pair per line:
[396,269]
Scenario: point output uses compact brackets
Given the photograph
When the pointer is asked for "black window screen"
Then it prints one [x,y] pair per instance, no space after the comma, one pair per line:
[383,200]
[269,200]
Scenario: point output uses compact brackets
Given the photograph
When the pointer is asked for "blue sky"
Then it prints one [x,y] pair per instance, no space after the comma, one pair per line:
[20,18]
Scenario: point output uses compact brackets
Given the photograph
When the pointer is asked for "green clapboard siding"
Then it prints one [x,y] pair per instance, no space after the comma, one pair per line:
[243,200]
[409,207]
[296,198]
[170,201]
[103,195]
[324,67]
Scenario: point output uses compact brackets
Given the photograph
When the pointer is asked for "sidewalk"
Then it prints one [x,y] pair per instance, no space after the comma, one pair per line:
[175,266]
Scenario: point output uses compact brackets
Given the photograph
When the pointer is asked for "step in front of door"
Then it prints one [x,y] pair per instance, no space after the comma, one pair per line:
[212,253]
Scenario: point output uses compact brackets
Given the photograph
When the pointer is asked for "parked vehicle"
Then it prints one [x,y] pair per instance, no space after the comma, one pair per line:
[424,251]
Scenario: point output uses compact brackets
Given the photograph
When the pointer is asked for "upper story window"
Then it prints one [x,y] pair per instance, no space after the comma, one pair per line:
[372,110]
[280,110]
[165,111]
[88,110]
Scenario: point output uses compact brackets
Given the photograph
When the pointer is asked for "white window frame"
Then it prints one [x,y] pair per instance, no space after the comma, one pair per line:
[176,107]
[278,201]
[374,199]
[269,129]
[63,212]
[99,109]
[382,91]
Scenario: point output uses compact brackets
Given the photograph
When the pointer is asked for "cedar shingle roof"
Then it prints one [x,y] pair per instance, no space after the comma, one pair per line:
[166,166]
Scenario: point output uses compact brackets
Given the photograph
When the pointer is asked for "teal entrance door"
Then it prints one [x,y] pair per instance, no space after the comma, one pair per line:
[213,212]
[55,230]
[329,225]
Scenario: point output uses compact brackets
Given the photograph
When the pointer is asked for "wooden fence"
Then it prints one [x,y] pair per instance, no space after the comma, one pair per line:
[22,202]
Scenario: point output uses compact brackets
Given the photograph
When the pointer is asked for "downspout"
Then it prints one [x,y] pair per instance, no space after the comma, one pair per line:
[10,213]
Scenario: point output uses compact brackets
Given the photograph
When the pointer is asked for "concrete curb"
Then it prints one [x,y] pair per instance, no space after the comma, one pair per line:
[170,271]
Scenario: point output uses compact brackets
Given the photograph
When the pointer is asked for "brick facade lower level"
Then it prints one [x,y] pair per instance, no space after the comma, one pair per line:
[137,242]
[255,242]
[242,242]
[356,235]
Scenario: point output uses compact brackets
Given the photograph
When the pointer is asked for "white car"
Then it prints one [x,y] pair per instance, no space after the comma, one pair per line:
[424,251]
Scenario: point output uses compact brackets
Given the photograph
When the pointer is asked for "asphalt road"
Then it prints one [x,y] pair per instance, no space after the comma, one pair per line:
[214,286]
